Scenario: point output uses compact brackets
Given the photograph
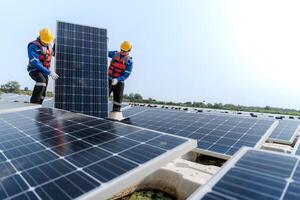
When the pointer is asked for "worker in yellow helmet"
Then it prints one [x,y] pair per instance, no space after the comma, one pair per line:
[40,53]
[119,70]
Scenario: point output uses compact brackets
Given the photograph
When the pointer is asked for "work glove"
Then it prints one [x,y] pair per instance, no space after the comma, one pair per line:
[53,75]
[114,81]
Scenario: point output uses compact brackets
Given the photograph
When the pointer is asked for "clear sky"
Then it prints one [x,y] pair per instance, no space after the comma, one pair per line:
[234,51]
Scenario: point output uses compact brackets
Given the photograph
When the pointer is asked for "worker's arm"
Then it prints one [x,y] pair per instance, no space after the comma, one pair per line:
[33,54]
[127,72]
[111,54]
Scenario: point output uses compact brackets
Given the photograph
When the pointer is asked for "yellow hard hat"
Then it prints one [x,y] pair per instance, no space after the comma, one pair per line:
[46,36]
[126,46]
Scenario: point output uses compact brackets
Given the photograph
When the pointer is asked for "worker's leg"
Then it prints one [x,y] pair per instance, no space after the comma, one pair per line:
[118,96]
[40,86]
[44,93]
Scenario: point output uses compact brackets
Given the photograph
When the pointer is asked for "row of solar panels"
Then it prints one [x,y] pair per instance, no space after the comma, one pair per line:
[218,135]
[210,110]
[47,153]
[97,158]
[285,132]
[213,137]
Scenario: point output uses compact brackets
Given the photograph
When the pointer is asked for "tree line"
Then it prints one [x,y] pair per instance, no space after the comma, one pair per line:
[14,87]
[137,98]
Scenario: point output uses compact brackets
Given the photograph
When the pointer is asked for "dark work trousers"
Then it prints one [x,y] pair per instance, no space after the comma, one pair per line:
[39,91]
[117,91]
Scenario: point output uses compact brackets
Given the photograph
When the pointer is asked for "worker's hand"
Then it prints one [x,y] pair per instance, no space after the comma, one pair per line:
[114,81]
[53,75]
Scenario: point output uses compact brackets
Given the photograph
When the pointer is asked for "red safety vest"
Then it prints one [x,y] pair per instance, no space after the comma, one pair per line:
[46,53]
[117,65]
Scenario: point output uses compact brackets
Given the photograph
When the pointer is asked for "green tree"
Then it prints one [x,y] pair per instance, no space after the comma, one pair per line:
[188,103]
[209,105]
[137,97]
[11,87]
[125,96]
[218,106]
[131,97]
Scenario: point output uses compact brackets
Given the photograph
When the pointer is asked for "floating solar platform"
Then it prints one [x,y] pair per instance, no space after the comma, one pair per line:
[81,63]
[285,132]
[48,153]
[254,175]
[217,135]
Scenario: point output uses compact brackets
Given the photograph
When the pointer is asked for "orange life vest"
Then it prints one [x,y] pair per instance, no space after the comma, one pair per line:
[117,65]
[46,53]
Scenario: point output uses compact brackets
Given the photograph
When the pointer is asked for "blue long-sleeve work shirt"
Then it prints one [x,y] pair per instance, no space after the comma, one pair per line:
[34,52]
[128,69]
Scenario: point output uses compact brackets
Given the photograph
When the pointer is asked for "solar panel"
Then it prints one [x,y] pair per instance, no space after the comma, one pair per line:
[81,62]
[129,111]
[48,153]
[217,135]
[285,132]
[254,174]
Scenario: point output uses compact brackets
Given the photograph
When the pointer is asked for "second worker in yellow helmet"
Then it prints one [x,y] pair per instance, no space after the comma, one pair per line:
[119,70]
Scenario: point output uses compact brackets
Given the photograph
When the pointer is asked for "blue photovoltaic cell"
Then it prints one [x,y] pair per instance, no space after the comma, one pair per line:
[129,111]
[256,175]
[222,134]
[81,63]
[47,153]
[285,132]
[296,150]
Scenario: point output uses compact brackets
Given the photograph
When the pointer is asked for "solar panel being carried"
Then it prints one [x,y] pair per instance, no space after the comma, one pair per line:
[47,153]
[217,135]
[285,132]
[254,175]
[81,62]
